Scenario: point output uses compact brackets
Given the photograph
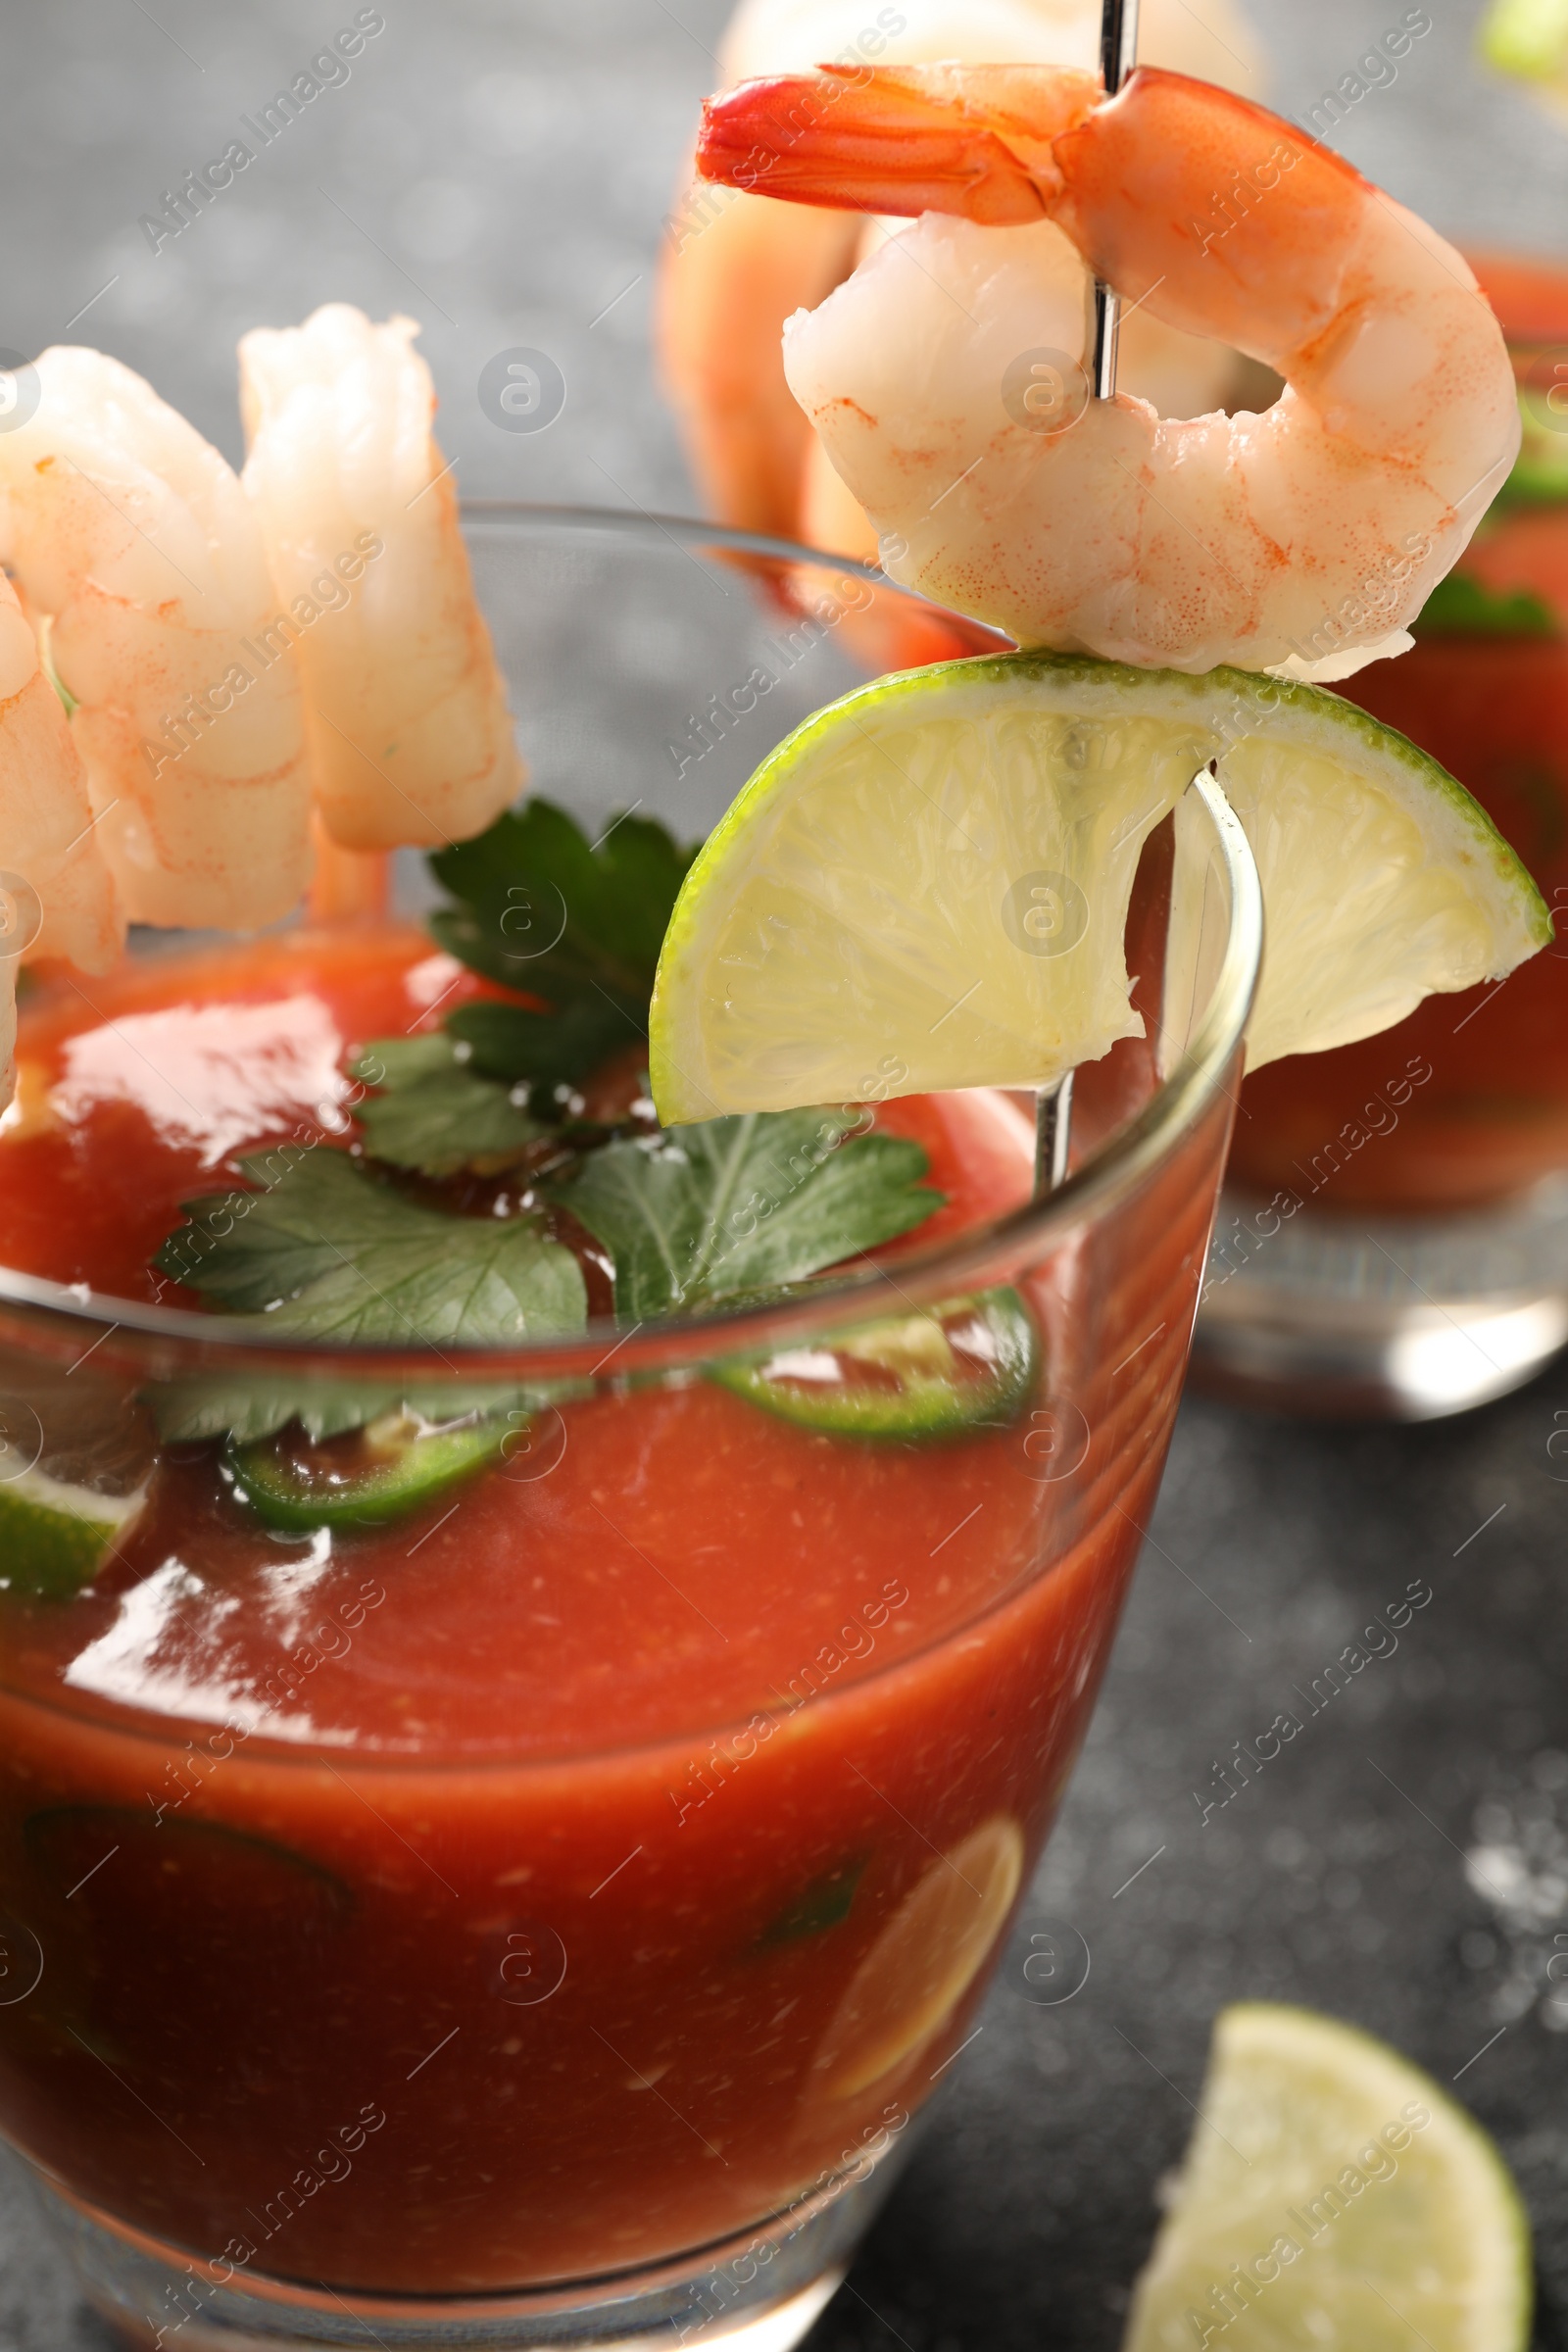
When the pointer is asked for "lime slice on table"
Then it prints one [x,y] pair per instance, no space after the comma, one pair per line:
[1332,2194]
[926,885]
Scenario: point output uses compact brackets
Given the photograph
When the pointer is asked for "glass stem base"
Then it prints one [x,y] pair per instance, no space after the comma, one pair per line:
[1381,1317]
[758,2291]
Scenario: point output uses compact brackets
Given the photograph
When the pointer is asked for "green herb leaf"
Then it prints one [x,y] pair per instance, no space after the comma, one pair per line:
[1540,477]
[732,1206]
[547,1048]
[1459,606]
[186,1410]
[329,1252]
[825,1903]
[545,911]
[405,1061]
[436,1114]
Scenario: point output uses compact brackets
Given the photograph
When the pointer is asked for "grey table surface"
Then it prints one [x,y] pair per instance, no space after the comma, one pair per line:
[501,169]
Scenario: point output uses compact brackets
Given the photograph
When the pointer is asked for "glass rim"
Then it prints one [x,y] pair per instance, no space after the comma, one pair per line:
[951,1267]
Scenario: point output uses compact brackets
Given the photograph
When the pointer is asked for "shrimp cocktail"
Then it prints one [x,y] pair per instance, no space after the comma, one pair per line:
[567,1484]
[736,265]
[1436,1140]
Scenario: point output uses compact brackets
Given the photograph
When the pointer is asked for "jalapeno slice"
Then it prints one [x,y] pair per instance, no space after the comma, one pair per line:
[936,1373]
[366,1476]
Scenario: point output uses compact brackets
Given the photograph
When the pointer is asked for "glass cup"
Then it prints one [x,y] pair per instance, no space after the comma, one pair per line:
[1394,1236]
[542,1919]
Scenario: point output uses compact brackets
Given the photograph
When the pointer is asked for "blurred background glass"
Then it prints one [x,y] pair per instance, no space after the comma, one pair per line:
[1395,1233]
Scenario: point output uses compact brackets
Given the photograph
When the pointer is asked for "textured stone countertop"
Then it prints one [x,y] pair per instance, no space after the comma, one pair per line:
[500,169]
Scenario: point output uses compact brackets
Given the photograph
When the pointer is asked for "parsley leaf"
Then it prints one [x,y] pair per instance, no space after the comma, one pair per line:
[545,911]
[329,1252]
[1459,606]
[821,1905]
[325,1249]
[704,1213]
[548,1048]
[186,1410]
[436,1114]
[403,1061]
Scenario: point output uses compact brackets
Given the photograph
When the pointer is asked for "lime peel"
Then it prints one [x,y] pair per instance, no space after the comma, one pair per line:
[926,885]
[53,1534]
[1333,2193]
[1526,38]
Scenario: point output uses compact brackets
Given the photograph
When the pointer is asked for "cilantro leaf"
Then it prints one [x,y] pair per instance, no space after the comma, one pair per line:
[1540,476]
[709,1212]
[188,1410]
[403,1061]
[247,1410]
[821,1905]
[573,924]
[435,1112]
[548,1049]
[545,911]
[1459,606]
[327,1252]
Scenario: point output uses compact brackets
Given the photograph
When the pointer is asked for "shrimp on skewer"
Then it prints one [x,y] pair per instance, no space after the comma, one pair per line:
[735,267]
[1302,540]
[57,896]
[411,740]
[132,536]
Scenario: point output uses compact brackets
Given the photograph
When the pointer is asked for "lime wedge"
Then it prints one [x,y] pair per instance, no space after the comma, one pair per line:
[1332,2194]
[926,885]
[923,1962]
[76,1459]
[53,1535]
[1527,38]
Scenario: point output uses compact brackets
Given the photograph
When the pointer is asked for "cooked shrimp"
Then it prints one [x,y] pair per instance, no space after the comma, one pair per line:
[736,267]
[47,834]
[131,535]
[57,896]
[1300,540]
[411,740]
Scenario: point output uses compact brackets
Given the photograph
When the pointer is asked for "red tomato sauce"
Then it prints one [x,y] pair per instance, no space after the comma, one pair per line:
[562,1876]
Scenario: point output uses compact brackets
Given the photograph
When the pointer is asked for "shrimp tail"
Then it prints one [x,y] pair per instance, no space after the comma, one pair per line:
[974,141]
[1302,539]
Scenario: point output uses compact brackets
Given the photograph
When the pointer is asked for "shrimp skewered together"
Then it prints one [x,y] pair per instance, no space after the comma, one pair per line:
[1301,540]
[132,536]
[411,739]
[57,896]
[734,269]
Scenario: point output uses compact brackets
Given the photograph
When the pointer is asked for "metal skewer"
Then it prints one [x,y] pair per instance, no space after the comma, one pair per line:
[1118,51]
[1118,54]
